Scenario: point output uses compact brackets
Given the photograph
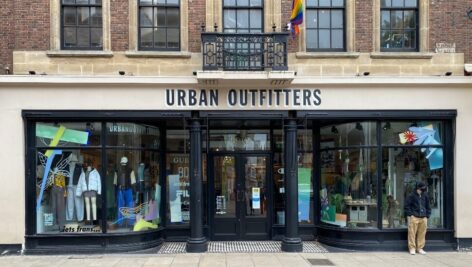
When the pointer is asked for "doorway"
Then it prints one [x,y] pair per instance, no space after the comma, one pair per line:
[239,196]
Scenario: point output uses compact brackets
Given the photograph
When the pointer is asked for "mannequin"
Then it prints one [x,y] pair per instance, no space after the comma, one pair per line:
[58,201]
[125,181]
[74,202]
[90,186]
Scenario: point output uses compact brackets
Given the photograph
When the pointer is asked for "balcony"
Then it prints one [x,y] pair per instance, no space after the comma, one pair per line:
[245,51]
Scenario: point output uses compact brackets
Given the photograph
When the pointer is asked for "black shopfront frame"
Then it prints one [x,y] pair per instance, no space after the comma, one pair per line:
[368,239]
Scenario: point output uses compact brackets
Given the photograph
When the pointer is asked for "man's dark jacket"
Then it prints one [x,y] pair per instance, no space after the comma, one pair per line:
[417,205]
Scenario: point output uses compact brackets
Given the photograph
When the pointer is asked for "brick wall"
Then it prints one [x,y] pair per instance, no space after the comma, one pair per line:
[196,17]
[449,24]
[119,24]
[31,24]
[286,12]
[7,40]
[364,25]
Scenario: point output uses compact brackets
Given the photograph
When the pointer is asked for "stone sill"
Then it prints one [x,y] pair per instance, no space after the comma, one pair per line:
[78,53]
[304,55]
[401,55]
[159,54]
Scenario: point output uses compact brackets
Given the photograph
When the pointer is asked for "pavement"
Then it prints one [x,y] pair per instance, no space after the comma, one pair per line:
[352,259]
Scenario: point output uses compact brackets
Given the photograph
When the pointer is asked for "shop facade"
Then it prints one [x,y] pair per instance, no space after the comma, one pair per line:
[126,163]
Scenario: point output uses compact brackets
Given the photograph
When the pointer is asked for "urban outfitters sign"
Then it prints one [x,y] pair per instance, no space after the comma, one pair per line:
[243,98]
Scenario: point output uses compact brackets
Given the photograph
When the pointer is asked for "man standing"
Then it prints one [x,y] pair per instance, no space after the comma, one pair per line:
[417,210]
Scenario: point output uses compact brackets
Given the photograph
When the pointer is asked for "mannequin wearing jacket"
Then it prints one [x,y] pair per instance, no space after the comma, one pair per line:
[124,181]
[74,202]
[89,186]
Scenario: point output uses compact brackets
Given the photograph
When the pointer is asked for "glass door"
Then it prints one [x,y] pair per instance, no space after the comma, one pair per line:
[239,197]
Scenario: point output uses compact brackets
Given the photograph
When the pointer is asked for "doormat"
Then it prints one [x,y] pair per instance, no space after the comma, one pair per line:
[241,247]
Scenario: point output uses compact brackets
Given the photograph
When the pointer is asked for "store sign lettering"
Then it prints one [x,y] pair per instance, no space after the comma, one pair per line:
[243,97]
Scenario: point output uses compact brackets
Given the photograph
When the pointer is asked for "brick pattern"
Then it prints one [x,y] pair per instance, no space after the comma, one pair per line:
[286,12]
[119,24]
[32,22]
[364,25]
[449,24]
[7,40]
[196,18]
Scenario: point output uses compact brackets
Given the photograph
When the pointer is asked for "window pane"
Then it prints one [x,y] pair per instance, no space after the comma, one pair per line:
[96,37]
[325,2]
[386,3]
[75,133]
[311,18]
[403,168]
[68,1]
[70,39]
[146,37]
[82,1]
[173,17]
[146,16]
[305,188]
[242,2]
[177,140]
[337,19]
[172,2]
[229,2]
[243,18]
[397,3]
[257,3]
[230,18]
[160,17]
[173,38]
[145,2]
[349,134]
[68,192]
[385,19]
[324,19]
[95,2]
[409,19]
[96,14]
[83,15]
[337,3]
[132,135]
[410,39]
[311,3]
[386,39]
[397,19]
[178,188]
[239,140]
[324,39]
[337,39]
[70,17]
[160,38]
[411,3]
[133,191]
[349,188]
[161,2]
[312,39]
[256,19]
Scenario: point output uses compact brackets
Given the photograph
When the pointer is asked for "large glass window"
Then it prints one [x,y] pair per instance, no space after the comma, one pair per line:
[82,24]
[159,25]
[68,177]
[399,25]
[325,25]
[348,192]
[412,152]
[242,16]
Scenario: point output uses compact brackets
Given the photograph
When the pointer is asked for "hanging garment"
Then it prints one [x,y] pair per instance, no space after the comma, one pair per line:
[58,204]
[74,202]
[93,184]
[125,200]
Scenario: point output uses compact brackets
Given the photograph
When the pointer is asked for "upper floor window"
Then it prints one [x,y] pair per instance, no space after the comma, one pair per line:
[243,16]
[325,25]
[82,24]
[159,25]
[399,25]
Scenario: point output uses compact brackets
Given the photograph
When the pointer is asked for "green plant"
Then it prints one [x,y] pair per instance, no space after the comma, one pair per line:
[338,201]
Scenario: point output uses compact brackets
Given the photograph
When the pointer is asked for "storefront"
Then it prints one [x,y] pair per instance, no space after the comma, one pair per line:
[115,164]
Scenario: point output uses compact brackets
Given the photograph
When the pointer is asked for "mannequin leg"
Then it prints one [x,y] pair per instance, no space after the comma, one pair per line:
[79,207]
[87,207]
[94,207]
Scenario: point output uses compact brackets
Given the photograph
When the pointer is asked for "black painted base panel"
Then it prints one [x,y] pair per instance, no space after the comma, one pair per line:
[464,244]
[10,249]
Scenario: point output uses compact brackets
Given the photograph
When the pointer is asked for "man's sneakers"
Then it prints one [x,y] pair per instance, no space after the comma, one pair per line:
[421,251]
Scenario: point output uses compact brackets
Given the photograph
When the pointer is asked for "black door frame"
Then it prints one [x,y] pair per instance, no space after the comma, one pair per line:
[239,165]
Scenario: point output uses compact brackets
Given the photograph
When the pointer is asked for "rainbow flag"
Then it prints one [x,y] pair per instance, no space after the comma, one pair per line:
[297,16]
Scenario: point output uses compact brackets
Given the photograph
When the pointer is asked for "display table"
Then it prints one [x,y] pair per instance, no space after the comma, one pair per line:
[358,210]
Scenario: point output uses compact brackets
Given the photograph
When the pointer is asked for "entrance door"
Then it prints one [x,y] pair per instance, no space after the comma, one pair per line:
[239,199]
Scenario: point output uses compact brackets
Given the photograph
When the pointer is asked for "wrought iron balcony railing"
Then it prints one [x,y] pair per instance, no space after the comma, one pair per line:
[244,51]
